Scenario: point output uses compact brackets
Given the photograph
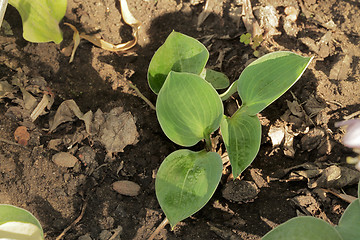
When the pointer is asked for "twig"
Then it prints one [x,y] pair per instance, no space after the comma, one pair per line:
[116,233]
[14,143]
[352,115]
[75,222]
[141,95]
[158,229]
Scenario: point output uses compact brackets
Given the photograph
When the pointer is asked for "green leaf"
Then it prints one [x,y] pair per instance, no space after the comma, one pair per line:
[350,221]
[185,182]
[245,38]
[188,108]
[217,79]
[268,77]
[179,53]
[242,136]
[303,228]
[17,223]
[41,18]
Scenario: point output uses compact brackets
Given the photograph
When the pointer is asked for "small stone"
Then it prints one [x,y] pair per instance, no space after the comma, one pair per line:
[126,188]
[64,159]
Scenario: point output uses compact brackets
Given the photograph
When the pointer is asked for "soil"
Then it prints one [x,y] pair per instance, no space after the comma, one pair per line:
[97,79]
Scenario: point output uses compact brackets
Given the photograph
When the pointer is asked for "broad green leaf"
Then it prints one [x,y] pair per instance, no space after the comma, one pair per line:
[41,18]
[350,221]
[17,223]
[179,53]
[188,108]
[303,228]
[217,79]
[359,189]
[185,182]
[242,136]
[268,77]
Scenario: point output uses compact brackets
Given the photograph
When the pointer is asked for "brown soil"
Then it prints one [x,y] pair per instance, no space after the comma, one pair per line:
[97,79]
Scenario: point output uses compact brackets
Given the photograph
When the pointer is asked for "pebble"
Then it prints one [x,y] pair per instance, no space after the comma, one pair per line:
[64,159]
[127,188]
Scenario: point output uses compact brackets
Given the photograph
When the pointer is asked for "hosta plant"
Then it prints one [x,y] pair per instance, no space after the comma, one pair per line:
[40,19]
[189,110]
[17,223]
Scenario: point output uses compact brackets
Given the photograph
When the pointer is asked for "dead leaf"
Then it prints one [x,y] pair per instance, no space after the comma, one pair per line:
[118,131]
[127,188]
[22,136]
[46,102]
[128,18]
[209,5]
[66,112]
[341,68]
[29,100]
[277,133]
[251,25]
[312,139]
[5,89]
[64,159]
[336,177]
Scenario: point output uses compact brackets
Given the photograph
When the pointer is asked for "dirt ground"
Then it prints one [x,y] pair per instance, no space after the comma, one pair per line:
[328,92]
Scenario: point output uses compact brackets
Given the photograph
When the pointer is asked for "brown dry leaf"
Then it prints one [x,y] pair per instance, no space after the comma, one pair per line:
[5,89]
[251,25]
[66,112]
[117,131]
[22,136]
[126,188]
[46,102]
[128,19]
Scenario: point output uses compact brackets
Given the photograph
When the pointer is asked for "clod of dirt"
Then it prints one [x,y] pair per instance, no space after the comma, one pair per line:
[87,156]
[85,237]
[312,139]
[64,159]
[127,188]
[240,191]
[117,131]
[22,136]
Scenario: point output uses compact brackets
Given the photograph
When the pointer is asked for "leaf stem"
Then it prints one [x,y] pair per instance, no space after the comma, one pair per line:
[208,143]
[231,90]
[141,95]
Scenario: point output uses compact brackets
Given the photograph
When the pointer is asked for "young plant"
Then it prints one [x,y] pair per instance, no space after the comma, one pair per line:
[189,109]
[40,19]
[17,223]
[303,228]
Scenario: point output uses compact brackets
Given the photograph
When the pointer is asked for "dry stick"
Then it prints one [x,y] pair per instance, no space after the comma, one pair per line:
[116,233]
[141,95]
[158,229]
[75,222]
[13,143]
[352,115]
